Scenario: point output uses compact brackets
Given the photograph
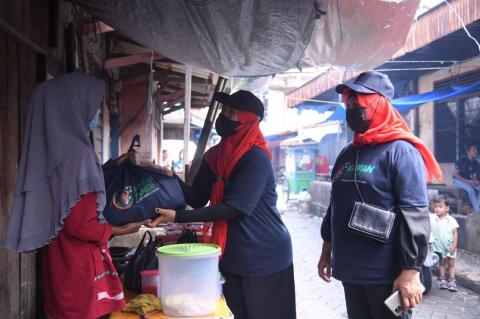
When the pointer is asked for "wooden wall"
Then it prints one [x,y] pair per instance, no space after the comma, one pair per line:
[17,271]
[38,39]
[22,66]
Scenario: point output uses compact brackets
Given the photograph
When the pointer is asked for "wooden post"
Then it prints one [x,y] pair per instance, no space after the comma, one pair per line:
[186,125]
[206,130]
[70,48]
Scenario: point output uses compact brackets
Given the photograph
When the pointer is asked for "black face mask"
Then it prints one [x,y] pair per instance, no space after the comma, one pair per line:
[357,119]
[224,126]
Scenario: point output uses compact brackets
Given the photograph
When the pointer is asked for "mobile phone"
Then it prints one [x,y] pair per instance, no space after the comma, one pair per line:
[394,303]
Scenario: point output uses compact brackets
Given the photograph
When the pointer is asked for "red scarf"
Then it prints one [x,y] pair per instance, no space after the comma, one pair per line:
[388,125]
[222,159]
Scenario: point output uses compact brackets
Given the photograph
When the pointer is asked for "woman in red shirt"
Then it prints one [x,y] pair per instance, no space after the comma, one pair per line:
[59,199]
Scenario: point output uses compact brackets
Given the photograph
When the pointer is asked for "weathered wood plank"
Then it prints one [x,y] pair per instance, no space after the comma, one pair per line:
[28,287]
[14,13]
[25,25]
[131,59]
[206,130]
[3,9]
[39,22]
[9,261]
[27,83]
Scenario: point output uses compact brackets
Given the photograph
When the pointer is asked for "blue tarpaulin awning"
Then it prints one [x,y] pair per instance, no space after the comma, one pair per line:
[406,103]
[402,104]
[338,115]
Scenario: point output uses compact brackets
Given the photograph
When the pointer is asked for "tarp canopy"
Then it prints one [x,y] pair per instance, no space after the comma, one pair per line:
[338,115]
[337,109]
[407,103]
[262,37]
[402,104]
[313,135]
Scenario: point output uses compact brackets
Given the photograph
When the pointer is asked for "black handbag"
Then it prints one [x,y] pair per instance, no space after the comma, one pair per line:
[144,258]
[188,236]
[370,221]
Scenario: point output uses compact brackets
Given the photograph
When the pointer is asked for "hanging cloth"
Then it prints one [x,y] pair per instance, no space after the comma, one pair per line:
[58,163]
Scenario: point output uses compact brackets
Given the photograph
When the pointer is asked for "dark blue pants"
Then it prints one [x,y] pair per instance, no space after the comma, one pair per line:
[366,302]
[268,297]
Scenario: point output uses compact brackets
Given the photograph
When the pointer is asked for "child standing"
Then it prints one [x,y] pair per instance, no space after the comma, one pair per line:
[445,232]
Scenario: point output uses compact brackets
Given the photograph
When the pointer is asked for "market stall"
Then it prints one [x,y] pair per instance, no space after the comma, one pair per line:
[222,312]
[300,166]
[185,282]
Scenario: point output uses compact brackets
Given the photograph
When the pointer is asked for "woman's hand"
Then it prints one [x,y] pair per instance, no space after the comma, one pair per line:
[165,216]
[129,228]
[410,288]
[325,263]
[132,156]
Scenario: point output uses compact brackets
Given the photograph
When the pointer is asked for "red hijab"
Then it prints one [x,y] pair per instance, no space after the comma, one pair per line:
[223,158]
[388,125]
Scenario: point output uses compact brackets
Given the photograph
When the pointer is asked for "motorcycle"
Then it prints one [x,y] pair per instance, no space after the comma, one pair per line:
[426,272]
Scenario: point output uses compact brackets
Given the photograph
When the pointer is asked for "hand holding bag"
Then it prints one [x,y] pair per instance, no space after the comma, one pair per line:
[370,221]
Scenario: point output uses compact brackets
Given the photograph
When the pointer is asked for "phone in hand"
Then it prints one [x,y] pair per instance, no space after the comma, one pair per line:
[394,303]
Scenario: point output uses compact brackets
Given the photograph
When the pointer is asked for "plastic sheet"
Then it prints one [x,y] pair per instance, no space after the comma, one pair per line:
[254,37]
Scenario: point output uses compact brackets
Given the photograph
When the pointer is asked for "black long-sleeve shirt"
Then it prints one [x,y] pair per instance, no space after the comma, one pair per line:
[258,243]
[198,196]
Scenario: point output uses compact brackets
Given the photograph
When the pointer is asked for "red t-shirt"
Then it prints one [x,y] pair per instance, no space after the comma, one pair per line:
[80,281]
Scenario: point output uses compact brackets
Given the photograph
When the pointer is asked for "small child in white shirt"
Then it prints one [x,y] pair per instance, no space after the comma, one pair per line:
[445,233]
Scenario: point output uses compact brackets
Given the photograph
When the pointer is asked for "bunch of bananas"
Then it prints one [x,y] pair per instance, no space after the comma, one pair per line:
[143,304]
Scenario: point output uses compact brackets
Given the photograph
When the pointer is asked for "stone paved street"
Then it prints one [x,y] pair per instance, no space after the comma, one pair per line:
[319,300]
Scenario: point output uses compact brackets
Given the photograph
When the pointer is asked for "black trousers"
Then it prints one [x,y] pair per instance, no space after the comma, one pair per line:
[269,297]
[367,302]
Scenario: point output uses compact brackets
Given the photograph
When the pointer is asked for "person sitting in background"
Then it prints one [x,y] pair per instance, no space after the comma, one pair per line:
[445,232]
[178,165]
[321,165]
[165,162]
[466,176]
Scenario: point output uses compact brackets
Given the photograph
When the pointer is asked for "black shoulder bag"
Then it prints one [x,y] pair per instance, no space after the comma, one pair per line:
[370,221]
[144,258]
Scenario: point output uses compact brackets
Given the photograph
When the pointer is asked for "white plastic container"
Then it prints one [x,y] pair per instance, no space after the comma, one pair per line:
[189,279]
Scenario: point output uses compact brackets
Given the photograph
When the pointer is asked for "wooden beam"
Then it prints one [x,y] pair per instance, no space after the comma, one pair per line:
[187,116]
[70,48]
[142,78]
[170,109]
[117,37]
[198,94]
[172,96]
[22,38]
[206,130]
[131,59]
[97,27]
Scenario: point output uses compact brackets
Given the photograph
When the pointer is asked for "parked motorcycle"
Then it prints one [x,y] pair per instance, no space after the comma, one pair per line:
[426,272]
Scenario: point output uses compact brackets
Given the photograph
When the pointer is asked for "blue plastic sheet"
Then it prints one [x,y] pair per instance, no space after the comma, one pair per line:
[403,104]
[407,103]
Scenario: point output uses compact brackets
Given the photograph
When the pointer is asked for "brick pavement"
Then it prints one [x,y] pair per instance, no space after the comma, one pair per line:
[319,300]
